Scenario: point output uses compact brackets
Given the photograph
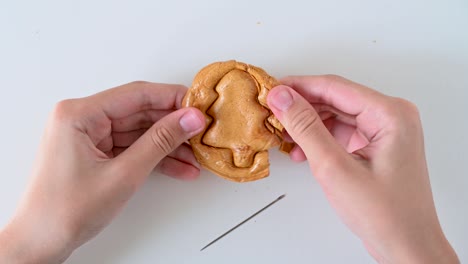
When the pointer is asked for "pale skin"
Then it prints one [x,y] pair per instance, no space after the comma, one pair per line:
[364,148]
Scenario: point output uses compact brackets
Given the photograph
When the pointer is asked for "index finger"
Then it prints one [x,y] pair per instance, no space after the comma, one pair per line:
[128,99]
[100,110]
[366,105]
[343,94]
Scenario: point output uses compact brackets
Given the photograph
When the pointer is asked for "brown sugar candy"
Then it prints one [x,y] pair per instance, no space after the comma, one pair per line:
[240,128]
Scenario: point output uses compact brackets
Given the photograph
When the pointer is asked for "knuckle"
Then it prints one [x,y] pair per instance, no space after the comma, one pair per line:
[400,116]
[65,110]
[400,111]
[163,139]
[139,83]
[392,118]
[333,77]
[407,108]
[388,109]
[304,121]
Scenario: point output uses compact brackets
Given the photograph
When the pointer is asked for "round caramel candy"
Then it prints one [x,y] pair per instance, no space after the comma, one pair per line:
[240,128]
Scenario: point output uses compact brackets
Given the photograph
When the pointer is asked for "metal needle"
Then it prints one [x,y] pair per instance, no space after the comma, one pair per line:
[243,222]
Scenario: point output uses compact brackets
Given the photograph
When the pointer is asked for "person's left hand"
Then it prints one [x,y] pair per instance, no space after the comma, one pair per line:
[95,153]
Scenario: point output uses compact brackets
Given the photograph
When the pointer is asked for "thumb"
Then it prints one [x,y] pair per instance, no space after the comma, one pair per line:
[161,139]
[307,129]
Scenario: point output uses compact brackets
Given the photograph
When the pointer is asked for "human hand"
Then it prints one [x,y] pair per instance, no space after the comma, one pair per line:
[368,156]
[95,153]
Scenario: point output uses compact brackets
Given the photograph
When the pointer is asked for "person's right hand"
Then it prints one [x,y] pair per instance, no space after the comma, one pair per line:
[368,156]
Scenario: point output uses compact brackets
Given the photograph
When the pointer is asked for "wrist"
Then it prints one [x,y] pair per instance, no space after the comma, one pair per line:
[437,250]
[22,243]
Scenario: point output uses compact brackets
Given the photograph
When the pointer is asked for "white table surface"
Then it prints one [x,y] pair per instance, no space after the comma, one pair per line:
[51,50]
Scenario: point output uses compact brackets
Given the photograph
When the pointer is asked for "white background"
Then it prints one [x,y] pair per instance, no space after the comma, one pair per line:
[51,50]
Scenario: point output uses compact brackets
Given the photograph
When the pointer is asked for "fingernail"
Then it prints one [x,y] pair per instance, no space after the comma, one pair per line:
[282,99]
[190,122]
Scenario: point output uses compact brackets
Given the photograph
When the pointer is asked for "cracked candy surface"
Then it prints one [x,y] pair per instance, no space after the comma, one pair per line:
[240,126]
